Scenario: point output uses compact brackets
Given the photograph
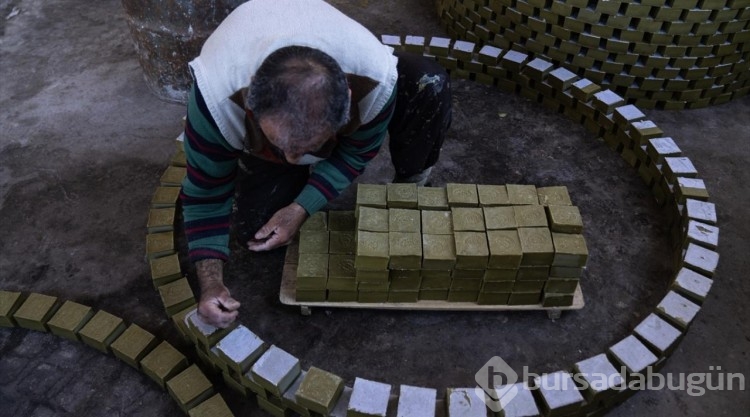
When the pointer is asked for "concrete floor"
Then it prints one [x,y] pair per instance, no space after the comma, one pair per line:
[83,143]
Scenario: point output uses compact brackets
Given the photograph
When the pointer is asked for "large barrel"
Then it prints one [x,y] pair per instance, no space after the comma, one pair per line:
[167,34]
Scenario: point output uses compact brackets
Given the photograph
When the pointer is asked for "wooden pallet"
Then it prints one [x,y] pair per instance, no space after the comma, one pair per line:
[289,284]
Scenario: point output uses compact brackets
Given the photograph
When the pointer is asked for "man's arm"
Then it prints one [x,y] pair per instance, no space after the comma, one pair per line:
[332,176]
[206,197]
[216,305]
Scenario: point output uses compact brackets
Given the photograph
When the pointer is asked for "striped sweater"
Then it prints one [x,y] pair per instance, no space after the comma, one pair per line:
[208,189]
[215,128]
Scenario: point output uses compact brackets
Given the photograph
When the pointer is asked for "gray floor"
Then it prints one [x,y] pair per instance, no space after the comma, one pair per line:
[82,146]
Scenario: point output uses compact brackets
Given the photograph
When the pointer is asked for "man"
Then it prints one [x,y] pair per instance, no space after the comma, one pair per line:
[291,100]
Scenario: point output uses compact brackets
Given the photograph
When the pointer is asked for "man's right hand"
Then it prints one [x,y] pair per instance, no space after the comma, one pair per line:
[216,306]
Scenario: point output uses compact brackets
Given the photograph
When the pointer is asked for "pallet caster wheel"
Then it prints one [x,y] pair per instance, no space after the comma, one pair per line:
[305,310]
[554,314]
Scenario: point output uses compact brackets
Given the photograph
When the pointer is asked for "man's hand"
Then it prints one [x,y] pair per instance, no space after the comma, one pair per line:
[216,306]
[280,230]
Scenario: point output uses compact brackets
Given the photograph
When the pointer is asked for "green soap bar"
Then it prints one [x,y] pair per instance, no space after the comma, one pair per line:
[403,296]
[165,270]
[561,286]
[205,335]
[439,252]
[342,296]
[530,216]
[493,298]
[505,249]
[432,198]
[159,244]
[133,345]
[528,286]
[9,302]
[342,221]
[372,276]
[165,197]
[217,363]
[433,295]
[557,300]
[460,284]
[565,219]
[190,387]
[584,89]
[532,273]
[341,266]
[176,296]
[570,250]
[439,46]
[524,298]
[102,330]
[372,296]
[404,220]
[212,407]
[313,241]
[342,242]
[319,390]
[462,195]
[693,188]
[173,176]
[371,195]
[232,383]
[179,321]
[372,219]
[565,272]
[499,218]
[163,362]
[249,381]
[436,280]
[35,311]
[160,220]
[558,196]
[467,219]
[522,194]
[312,271]
[472,251]
[310,295]
[500,274]
[373,286]
[536,244]
[372,251]
[437,222]
[312,284]
[69,319]
[468,273]
[498,286]
[179,159]
[492,195]
[273,409]
[402,195]
[205,360]
[275,371]
[317,222]
[461,296]
[341,284]
[238,350]
[405,280]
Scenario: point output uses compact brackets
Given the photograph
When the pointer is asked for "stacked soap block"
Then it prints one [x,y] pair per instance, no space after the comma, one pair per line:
[489,244]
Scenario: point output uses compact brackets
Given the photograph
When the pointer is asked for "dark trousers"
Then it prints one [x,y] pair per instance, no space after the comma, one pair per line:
[417,129]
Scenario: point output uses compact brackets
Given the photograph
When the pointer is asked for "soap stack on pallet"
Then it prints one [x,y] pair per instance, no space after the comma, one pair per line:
[489,244]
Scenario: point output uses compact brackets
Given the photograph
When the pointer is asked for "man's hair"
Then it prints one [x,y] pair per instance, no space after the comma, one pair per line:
[303,88]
